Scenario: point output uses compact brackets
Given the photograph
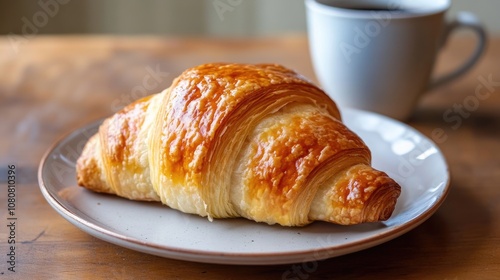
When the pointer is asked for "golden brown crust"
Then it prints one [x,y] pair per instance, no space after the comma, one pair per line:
[229,140]
[122,130]
[285,154]
[111,161]
[201,102]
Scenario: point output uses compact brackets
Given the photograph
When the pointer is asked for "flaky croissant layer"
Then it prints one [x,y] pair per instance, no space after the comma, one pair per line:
[239,140]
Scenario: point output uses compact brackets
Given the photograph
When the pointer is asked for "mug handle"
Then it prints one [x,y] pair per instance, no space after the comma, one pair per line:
[466,20]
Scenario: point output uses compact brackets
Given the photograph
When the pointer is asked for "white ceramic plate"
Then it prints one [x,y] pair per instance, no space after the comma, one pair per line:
[406,155]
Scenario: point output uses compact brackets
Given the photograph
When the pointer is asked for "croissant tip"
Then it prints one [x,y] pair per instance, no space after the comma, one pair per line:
[382,204]
[87,168]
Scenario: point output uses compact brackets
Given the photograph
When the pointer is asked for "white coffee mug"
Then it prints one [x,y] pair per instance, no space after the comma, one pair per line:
[378,55]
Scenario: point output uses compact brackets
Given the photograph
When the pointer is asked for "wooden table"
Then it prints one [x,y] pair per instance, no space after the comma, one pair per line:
[52,85]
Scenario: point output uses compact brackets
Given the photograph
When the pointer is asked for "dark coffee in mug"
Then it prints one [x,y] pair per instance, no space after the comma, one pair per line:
[368,6]
[377,9]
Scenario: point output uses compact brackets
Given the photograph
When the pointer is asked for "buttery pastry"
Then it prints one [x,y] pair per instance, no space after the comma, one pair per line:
[239,140]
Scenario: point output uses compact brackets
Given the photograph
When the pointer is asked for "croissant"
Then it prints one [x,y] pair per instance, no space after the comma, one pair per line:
[239,140]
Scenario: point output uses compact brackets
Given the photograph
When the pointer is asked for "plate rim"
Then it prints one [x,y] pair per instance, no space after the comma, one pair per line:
[221,257]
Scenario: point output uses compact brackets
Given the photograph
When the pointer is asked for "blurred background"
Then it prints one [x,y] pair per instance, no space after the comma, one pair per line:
[221,18]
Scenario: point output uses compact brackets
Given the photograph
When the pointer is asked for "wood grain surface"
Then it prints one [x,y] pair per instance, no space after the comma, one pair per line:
[52,85]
